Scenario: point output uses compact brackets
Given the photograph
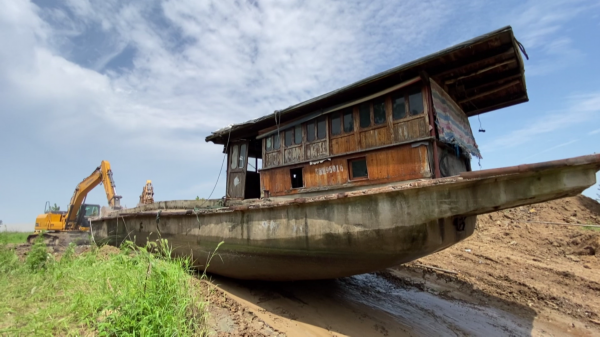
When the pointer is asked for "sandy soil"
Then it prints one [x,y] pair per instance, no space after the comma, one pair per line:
[513,277]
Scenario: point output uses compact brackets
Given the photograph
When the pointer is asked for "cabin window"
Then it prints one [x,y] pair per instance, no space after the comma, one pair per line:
[310,131]
[342,122]
[293,136]
[321,127]
[316,129]
[272,143]
[415,102]
[298,134]
[296,176]
[276,142]
[289,136]
[358,168]
[336,124]
[234,156]
[242,158]
[398,106]
[364,115]
[405,104]
[379,111]
[269,144]
[348,121]
[372,113]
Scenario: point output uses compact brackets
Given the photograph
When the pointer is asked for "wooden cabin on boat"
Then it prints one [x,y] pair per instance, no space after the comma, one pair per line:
[407,123]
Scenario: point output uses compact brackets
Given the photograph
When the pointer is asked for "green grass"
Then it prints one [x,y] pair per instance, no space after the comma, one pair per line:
[595,229]
[129,293]
[13,237]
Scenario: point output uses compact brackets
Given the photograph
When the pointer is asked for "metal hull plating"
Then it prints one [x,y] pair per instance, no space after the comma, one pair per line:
[343,234]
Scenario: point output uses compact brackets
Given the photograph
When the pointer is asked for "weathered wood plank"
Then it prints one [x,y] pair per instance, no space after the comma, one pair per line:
[293,154]
[343,144]
[316,150]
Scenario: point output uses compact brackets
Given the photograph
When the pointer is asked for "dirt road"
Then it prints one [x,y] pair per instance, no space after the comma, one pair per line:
[514,277]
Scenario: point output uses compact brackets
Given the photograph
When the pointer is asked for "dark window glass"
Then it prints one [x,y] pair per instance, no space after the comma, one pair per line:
[298,134]
[379,111]
[321,127]
[348,121]
[364,115]
[289,136]
[359,168]
[416,103]
[276,142]
[336,124]
[269,143]
[310,131]
[398,107]
[242,156]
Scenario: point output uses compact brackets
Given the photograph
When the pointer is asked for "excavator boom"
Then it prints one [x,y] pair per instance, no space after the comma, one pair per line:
[102,174]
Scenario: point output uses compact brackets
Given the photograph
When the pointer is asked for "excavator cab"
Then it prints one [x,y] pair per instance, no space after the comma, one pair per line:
[87,211]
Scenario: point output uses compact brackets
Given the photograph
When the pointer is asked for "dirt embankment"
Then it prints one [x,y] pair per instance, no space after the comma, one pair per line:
[518,256]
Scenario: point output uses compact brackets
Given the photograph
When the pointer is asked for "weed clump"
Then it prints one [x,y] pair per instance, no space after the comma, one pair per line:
[134,291]
[38,258]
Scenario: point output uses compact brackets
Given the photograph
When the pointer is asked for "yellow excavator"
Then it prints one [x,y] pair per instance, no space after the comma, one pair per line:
[73,225]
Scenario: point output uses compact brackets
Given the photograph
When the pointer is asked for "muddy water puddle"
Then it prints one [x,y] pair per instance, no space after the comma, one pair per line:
[372,305]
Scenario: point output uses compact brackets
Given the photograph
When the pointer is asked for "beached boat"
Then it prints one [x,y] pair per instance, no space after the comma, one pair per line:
[366,177]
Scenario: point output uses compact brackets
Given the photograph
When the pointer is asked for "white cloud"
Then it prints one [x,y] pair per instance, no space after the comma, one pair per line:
[582,108]
[553,148]
[543,30]
[594,132]
[197,65]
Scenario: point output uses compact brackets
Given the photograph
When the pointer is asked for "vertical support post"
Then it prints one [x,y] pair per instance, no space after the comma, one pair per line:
[432,128]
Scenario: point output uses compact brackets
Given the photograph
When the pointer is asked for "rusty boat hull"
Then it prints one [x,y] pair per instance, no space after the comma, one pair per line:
[339,233]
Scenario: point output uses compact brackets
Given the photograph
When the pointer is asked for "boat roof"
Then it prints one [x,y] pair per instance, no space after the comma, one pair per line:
[482,74]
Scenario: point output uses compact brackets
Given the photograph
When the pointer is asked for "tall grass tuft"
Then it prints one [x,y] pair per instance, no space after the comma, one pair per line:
[132,292]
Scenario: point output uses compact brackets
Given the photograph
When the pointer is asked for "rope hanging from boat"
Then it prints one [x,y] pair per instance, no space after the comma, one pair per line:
[522,48]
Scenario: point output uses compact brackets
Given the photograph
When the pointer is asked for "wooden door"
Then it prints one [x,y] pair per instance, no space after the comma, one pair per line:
[236,176]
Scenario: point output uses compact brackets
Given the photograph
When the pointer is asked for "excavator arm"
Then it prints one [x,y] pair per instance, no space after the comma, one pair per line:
[101,174]
[114,200]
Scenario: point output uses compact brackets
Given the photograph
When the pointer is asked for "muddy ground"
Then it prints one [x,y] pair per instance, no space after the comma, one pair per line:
[516,276]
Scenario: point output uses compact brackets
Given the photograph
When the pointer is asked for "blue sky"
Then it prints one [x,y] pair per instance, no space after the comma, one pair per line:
[141,83]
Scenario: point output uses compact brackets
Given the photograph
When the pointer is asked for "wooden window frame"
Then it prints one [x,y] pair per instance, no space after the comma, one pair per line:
[351,172]
[342,132]
[315,122]
[372,114]
[406,92]
[272,138]
[293,130]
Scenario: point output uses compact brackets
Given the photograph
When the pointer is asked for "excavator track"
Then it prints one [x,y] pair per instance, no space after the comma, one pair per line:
[79,238]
